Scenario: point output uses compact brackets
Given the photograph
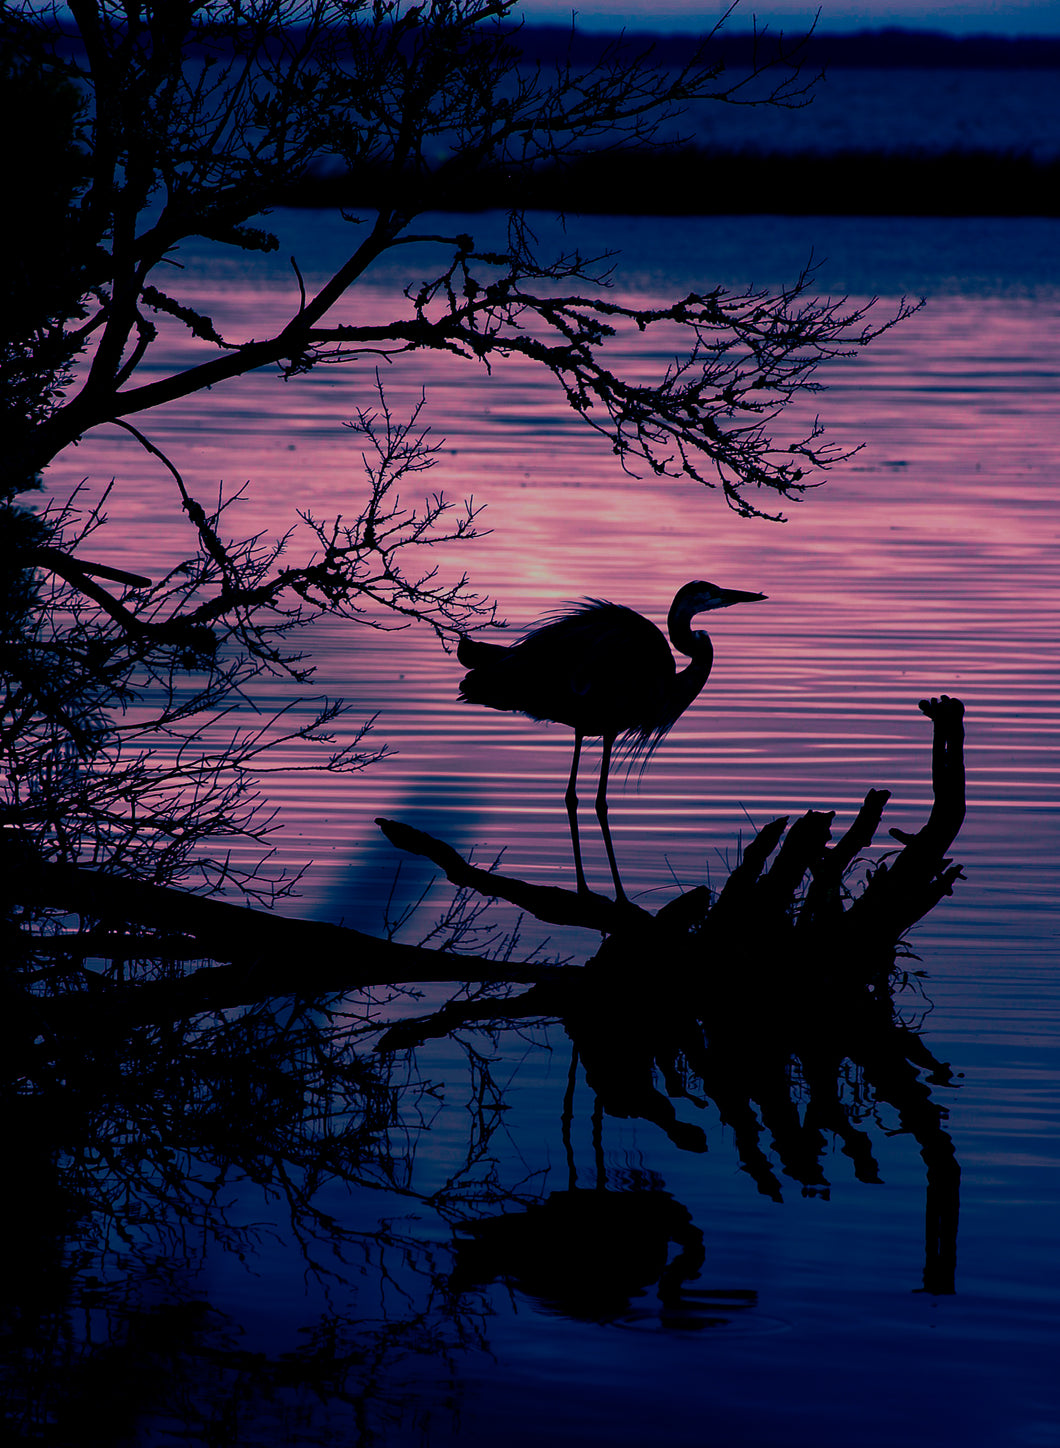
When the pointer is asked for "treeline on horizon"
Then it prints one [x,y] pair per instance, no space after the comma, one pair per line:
[696,181]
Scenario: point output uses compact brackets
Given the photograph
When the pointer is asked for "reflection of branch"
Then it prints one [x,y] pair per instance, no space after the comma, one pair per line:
[891,1056]
[538,1002]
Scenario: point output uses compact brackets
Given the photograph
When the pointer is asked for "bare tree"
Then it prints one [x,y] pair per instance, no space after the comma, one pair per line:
[181,120]
[199,116]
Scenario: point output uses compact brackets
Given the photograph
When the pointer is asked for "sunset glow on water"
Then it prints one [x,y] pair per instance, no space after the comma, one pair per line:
[926,564]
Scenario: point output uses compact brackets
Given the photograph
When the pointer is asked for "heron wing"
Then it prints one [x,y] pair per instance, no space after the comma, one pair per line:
[600,668]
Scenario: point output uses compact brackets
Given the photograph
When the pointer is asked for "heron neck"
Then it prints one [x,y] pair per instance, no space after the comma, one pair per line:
[696,645]
[690,680]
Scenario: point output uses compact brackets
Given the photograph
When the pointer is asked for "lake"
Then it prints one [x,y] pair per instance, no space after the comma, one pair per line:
[926,564]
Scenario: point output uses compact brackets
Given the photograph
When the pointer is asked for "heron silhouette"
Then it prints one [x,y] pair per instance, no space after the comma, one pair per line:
[605,671]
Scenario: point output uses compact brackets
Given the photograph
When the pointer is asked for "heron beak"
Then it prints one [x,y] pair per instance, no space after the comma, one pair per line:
[734,595]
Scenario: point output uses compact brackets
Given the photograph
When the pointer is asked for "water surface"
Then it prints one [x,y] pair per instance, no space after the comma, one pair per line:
[927,564]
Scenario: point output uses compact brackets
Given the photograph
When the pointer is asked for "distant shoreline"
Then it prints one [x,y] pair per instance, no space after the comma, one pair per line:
[695,181]
[888,49]
[891,48]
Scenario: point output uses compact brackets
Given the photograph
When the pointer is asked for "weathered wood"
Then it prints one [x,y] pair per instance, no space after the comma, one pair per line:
[861,833]
[801,850]
[824,898]
[685,912]
[902,891]
[738,890]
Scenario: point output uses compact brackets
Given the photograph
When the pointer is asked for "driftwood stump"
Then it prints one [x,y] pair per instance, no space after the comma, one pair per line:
[785,902]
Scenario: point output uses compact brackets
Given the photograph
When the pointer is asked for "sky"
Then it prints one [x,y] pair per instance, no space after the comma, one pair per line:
[979,17]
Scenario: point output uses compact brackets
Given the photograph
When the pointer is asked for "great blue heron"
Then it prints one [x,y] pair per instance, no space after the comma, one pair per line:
[604,670]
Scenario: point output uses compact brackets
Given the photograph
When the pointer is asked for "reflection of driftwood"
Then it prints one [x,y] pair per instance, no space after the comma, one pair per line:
[784,1084]
[787,1071]
[761,1000]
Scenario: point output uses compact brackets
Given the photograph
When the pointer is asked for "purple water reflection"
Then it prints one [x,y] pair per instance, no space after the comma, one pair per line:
[926,564]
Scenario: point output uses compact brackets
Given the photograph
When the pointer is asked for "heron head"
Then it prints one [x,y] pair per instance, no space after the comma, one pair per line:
[700,597]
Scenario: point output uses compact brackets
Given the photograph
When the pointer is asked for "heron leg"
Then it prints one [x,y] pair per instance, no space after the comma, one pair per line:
[601,815]
[571,799]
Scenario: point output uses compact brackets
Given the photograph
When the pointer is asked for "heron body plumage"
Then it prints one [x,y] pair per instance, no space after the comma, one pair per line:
[600,669]
[604,671]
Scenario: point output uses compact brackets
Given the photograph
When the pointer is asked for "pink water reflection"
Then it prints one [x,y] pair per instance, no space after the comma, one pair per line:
[927,564]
